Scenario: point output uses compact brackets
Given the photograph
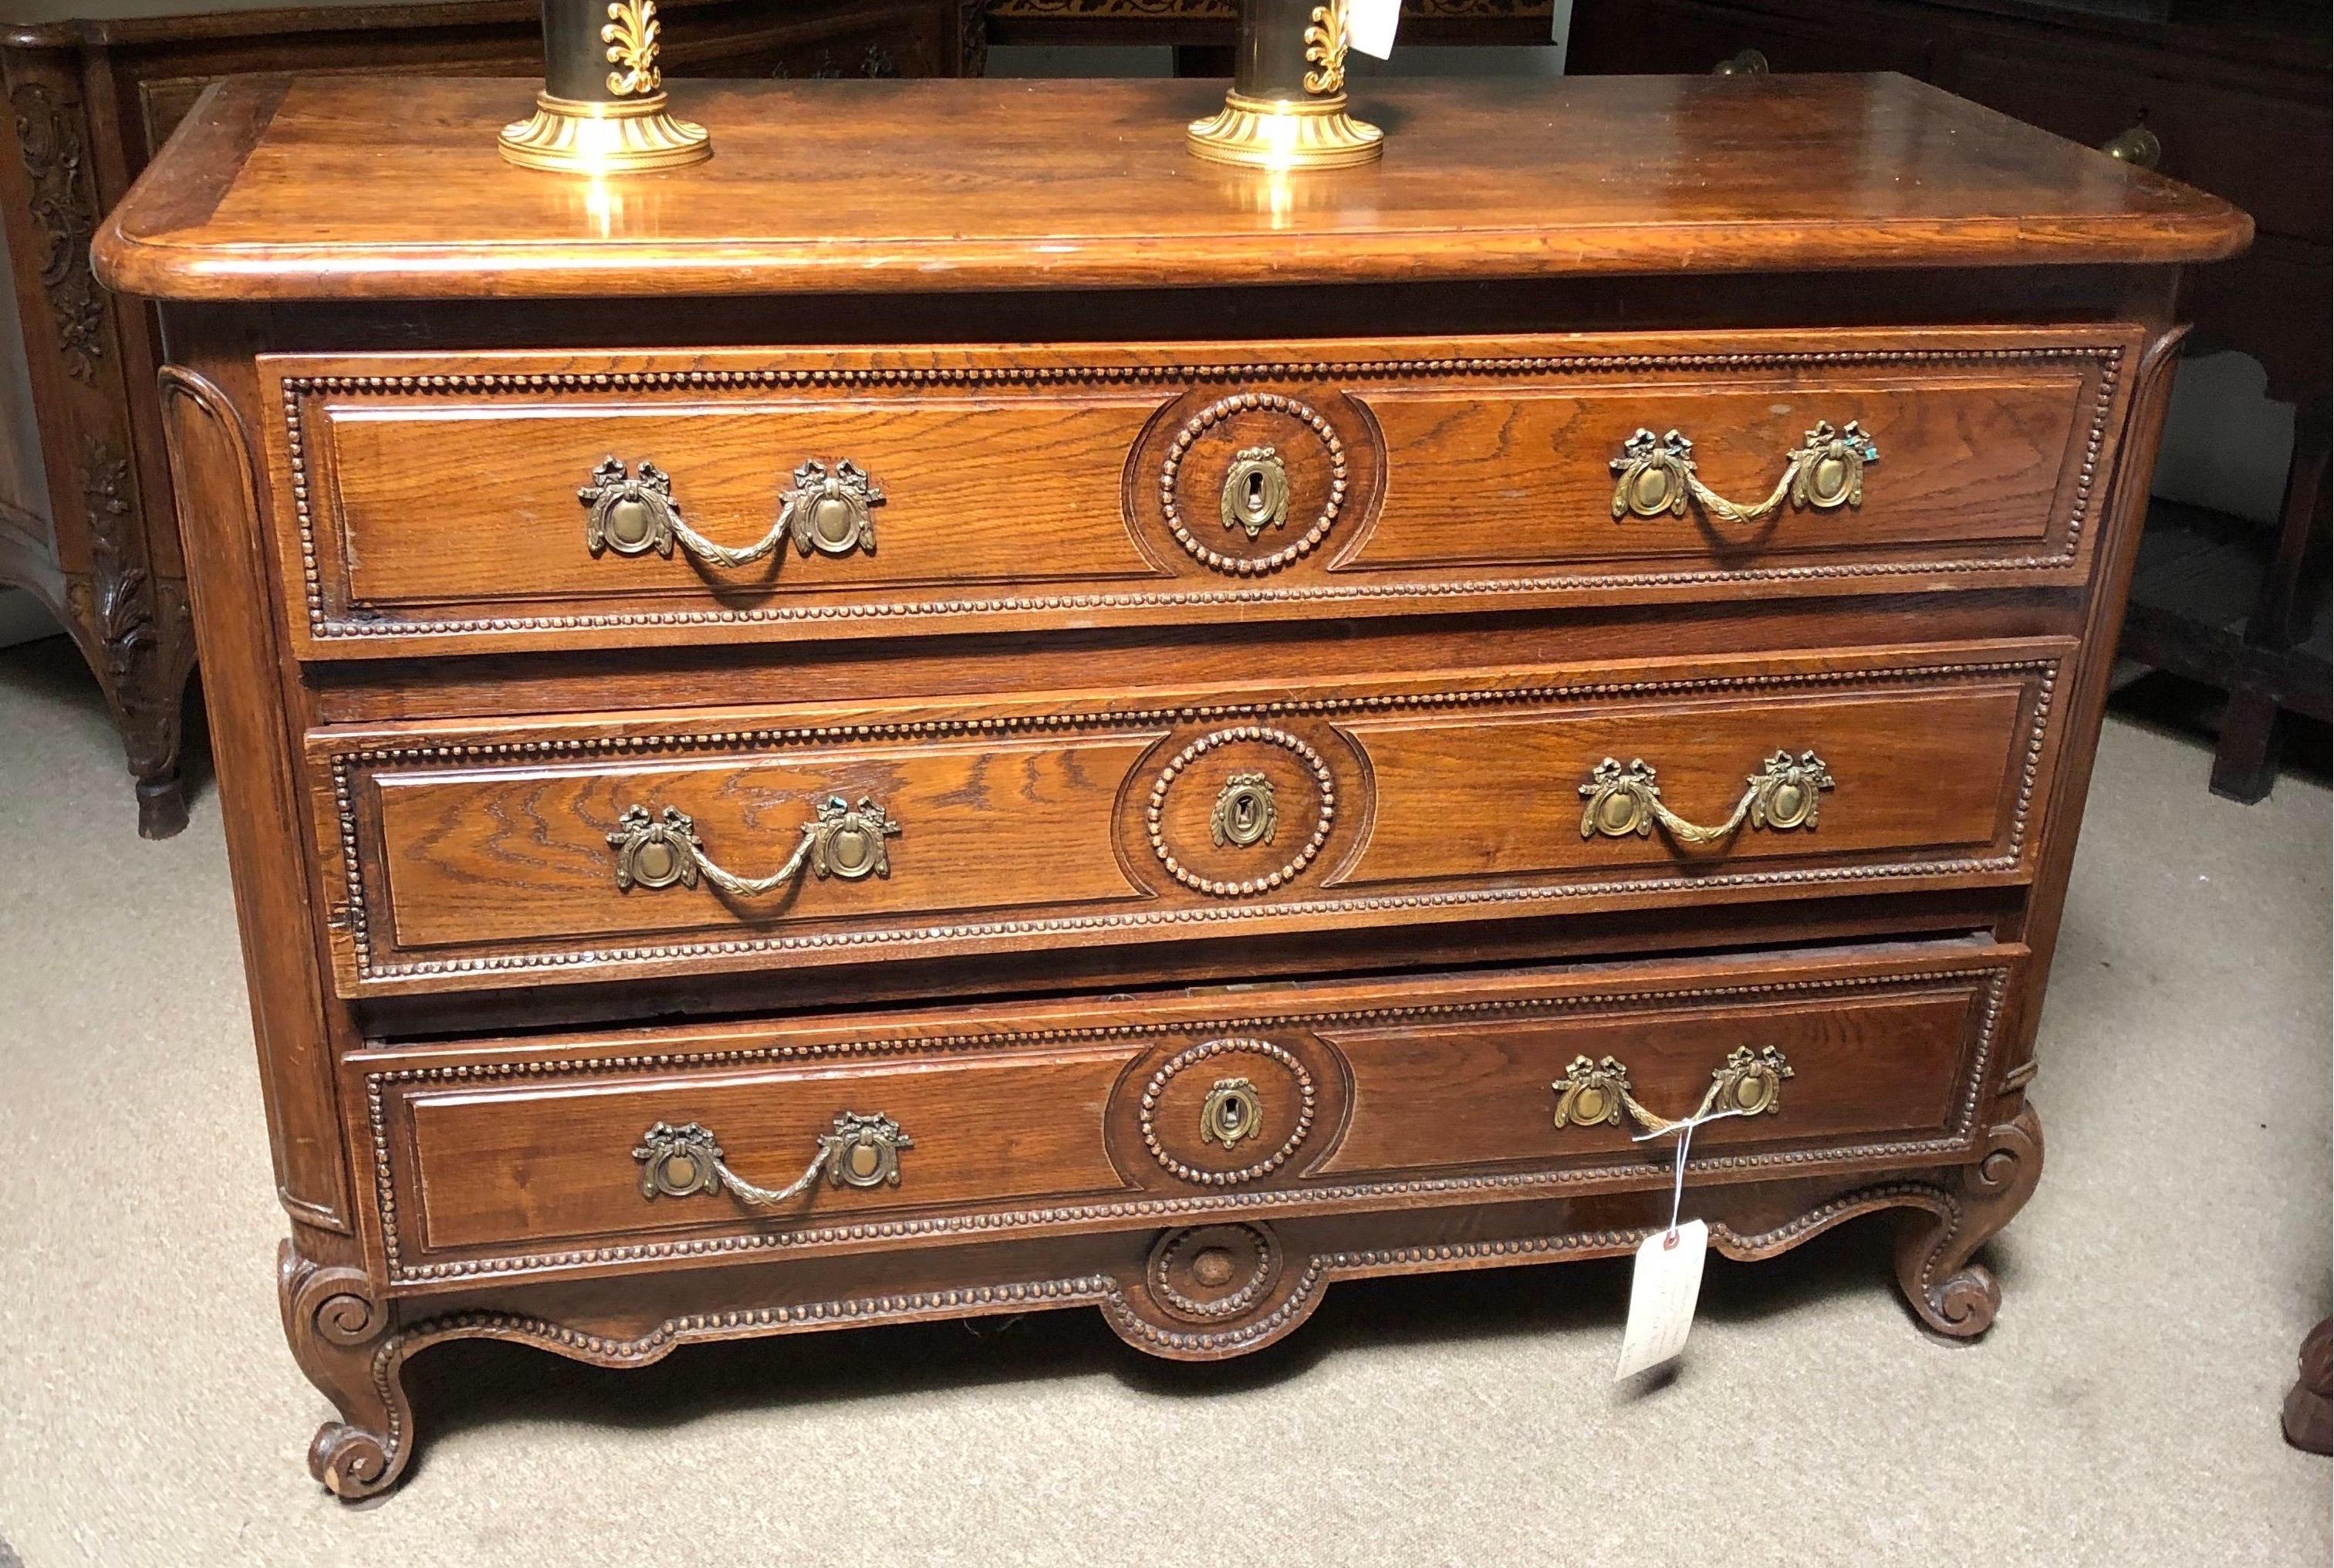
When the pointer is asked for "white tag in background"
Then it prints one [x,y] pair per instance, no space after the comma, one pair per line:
[1559,34]
[1370,25]
[1663,1291]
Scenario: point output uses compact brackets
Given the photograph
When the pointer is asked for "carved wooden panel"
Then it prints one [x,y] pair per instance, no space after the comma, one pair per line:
[1083,1115]
[463,855]
[430,503]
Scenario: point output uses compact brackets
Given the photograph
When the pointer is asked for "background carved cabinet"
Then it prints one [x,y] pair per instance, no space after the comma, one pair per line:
[86,519]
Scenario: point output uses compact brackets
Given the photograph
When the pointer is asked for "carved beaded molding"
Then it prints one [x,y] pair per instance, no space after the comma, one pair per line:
[1207,418]
[1325,791]
[1100,1290]
[322,625]
[1993,980]
[1159,1275]
[1208,1050]
[367,967]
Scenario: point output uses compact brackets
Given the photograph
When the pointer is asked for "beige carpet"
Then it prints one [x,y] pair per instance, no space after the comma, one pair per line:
[2122,1411]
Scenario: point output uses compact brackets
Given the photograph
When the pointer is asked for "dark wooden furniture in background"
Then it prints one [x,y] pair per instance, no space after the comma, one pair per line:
[86,522]
[1212,847]
[1200,32]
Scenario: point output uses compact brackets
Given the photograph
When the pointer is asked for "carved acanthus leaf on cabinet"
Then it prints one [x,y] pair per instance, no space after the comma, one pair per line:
[118,601]
[49,135]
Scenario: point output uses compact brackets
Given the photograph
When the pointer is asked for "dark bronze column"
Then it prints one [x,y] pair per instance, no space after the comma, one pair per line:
[1287,108]
[601,110]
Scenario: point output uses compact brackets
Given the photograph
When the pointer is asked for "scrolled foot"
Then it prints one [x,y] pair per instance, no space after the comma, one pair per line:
[344,1339]
[351,1462]
[1951,1294]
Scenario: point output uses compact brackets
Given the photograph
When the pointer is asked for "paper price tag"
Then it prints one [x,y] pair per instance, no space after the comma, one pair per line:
[1370,25]
[1662,1295]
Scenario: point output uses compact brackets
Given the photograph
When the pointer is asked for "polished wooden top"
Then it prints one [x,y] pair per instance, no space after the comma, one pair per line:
[390,188]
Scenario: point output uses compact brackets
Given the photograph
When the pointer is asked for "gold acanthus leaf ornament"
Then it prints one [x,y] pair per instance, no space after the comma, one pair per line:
[631,35]
[1325,47]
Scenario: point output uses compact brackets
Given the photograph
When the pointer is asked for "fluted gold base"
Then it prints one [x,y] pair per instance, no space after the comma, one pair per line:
[632,137]
[1310,133]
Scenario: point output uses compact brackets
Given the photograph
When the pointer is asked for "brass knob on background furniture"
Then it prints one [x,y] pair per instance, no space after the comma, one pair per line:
[1741,62]
[829,510]
[842,840]
[1595,1093]
[1653,475]
[2138,146]
[862,1151]
[1784,794]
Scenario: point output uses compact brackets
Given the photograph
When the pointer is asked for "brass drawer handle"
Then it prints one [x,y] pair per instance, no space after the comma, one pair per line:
[863,1151]
[1782,795]
[843,840]
[830,510]
[1749,1083]
[2139,147]
[1656,476]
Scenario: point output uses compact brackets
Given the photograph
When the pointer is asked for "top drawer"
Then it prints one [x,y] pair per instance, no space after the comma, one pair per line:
[464,502]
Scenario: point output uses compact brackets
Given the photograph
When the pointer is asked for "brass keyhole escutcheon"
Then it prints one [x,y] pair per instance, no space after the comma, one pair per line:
[1233,1111]
[1256,492]
[1243,813]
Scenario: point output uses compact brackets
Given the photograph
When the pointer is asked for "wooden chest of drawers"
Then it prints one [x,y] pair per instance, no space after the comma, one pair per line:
[848,735]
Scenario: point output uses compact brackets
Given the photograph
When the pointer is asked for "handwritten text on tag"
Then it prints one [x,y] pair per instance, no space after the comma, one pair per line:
[1662,1295]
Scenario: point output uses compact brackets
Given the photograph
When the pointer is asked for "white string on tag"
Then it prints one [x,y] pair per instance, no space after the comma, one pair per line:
[1684,1130]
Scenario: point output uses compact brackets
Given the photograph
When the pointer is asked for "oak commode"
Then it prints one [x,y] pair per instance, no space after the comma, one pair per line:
[954,709]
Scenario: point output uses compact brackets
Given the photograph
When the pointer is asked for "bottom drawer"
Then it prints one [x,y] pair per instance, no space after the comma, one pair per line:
[700,1143]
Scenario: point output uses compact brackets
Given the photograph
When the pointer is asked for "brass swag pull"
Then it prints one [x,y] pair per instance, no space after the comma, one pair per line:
[829,510]
[1782,795]
[1657,476]
[863,1151]
[1749,1083]
[843,840]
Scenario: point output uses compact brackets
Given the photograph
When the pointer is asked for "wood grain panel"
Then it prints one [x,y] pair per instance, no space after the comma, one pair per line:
[468,856]
[531,1163]
[1431,1099]
[893,187]
[1523,479]
[431,500]
[1915,771]
[495,1157]
[978,492]
[484,857]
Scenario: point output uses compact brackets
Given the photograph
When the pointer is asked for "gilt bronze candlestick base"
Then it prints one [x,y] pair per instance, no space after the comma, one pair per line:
[1286,107]
[601,110]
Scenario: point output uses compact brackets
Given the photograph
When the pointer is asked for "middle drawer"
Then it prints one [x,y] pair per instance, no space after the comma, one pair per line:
[465,856]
